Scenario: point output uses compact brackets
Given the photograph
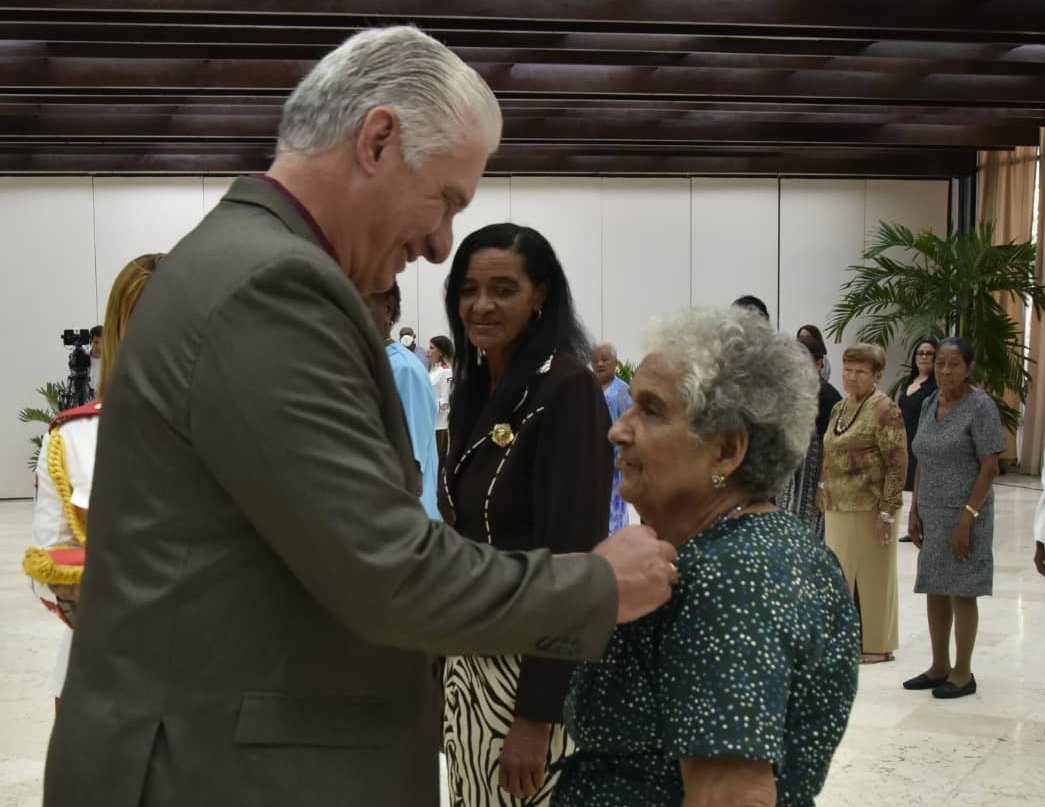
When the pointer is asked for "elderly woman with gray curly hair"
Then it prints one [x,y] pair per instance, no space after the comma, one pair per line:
[737,691]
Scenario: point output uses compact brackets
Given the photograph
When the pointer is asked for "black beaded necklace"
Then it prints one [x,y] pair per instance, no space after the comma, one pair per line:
[839,428]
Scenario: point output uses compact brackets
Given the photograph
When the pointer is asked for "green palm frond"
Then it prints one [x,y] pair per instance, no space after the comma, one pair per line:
[33,415]
[916,284]
[625,371]
[52,392]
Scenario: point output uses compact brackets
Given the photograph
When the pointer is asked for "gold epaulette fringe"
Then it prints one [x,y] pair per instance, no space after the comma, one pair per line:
[40,566]
[60,476]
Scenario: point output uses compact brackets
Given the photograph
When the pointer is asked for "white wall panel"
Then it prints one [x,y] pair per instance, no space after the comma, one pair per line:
[48,286]
[645,256]
[491,205]
[917,204]
[213,189]
[568,212]
[734,241]
[631,248]
[821,234]
[137,215]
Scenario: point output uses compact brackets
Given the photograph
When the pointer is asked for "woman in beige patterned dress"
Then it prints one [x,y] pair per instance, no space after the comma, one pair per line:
[861,484]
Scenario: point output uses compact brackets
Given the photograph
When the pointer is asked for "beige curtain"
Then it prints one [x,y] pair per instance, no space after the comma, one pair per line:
[1005,190]
[1033,433]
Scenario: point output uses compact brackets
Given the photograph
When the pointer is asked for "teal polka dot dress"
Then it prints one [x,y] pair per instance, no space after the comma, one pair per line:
[754,657]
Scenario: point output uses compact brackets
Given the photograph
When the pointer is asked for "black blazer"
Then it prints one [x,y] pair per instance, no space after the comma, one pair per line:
[550,488]
[911,410]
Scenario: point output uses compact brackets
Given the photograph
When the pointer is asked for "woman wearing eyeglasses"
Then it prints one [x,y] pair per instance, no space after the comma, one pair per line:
[920,384]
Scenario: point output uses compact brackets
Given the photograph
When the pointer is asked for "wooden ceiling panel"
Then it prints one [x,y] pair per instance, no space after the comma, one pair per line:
[878,88]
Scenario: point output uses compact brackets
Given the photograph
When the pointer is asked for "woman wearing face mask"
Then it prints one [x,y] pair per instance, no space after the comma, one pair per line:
[529,467]
[952,515]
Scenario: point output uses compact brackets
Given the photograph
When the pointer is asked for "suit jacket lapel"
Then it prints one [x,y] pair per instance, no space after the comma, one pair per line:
[253,190]
[260,192]
[484,426]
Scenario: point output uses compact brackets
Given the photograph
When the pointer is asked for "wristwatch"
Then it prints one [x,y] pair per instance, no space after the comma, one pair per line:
[888,518]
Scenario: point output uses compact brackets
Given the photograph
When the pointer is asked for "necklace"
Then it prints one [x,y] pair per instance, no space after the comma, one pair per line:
[733,512]
[839,428]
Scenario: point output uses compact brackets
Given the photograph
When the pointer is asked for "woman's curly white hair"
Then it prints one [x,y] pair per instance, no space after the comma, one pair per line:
[735,373]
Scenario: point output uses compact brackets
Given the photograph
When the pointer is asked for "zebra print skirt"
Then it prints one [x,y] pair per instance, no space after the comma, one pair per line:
[478,710]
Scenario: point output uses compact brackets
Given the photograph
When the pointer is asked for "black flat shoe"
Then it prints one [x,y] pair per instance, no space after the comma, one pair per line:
[906,540]
[949,690]
[923,681]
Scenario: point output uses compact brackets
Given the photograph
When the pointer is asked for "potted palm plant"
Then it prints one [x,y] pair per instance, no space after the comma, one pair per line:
[52,393]
[913,285]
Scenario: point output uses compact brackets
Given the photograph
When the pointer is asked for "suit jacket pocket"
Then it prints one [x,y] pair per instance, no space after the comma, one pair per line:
[268,718]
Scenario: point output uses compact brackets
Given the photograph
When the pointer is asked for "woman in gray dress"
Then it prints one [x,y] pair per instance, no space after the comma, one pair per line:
[952,515]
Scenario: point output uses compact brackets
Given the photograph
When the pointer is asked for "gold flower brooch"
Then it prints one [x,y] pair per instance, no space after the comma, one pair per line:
[502,435]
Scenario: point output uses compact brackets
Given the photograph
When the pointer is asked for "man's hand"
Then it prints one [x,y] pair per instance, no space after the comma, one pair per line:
[645,570]
[1039,557]
[522,767]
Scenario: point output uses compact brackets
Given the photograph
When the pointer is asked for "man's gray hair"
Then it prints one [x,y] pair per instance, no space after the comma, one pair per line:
[612,348]
[437,97]
[735,373]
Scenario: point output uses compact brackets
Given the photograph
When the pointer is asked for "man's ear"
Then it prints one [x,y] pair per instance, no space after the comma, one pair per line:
[378,137]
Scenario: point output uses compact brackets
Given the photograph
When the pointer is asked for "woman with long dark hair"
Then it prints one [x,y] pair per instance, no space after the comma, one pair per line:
[920,384]
[799,496]
[808,333]
[529,467]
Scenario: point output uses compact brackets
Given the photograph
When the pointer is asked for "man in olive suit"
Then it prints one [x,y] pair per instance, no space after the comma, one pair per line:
[262,583]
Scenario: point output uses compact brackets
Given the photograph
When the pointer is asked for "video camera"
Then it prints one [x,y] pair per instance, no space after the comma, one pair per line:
[78,391]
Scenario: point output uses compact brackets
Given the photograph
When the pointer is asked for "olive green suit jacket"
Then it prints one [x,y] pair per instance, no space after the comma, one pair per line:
[262,584]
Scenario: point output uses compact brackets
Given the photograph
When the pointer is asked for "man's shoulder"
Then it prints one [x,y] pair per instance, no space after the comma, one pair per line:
[398,354]
[243,249]
[403,360]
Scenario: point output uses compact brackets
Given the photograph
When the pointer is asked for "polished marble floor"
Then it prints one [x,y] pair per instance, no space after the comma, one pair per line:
[902,748]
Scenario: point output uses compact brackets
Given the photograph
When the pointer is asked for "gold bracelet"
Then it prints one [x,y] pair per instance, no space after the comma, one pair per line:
[972,511]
